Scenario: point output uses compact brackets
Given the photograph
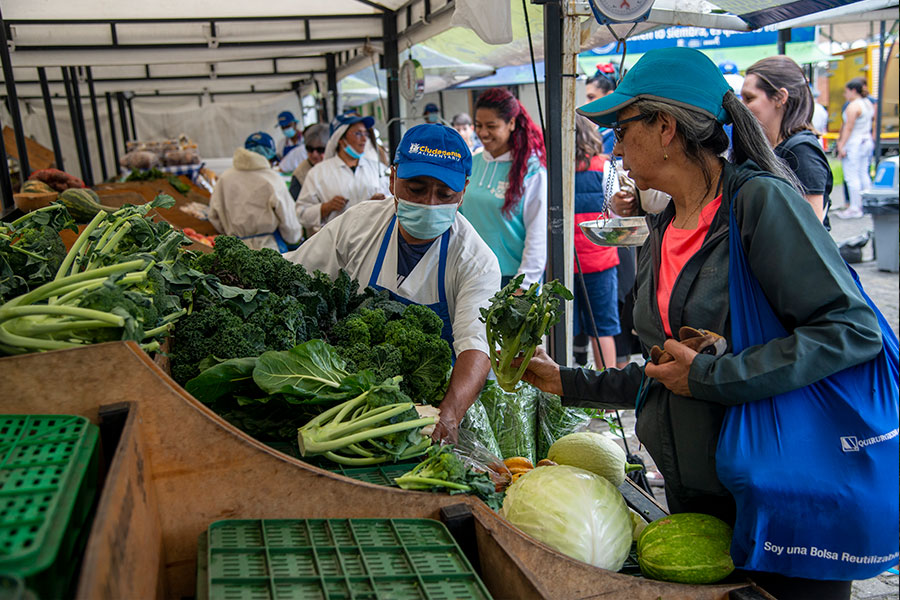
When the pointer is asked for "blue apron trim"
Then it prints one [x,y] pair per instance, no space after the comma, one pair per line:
[440,307]
[279,241]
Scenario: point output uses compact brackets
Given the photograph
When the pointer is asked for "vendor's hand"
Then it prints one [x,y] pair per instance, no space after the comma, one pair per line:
[624,204]
[378,197]
[542,372]
[674,374]
[446,429]
[335,204]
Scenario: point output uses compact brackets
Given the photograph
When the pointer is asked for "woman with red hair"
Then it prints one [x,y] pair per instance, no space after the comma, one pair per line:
[506,198]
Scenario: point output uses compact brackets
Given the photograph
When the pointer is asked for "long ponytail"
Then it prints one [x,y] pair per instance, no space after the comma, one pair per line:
[524,141]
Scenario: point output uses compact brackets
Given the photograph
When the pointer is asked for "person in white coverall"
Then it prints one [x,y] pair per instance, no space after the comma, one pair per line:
[418,247]
[346,177]
[250,200]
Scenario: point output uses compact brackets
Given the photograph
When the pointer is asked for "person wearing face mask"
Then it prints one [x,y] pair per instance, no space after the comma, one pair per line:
[346,177]
[418,247]
[290,151]
[315,137]
[250,200]
[432,114]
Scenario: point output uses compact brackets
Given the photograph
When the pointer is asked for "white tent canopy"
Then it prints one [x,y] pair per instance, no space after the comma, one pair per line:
[196,57]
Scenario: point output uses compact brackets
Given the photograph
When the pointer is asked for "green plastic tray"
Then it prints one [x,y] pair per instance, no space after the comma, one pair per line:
[334,559]
[48,482]
[379,475]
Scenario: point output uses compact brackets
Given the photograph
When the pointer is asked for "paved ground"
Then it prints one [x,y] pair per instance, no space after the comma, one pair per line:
[884,289]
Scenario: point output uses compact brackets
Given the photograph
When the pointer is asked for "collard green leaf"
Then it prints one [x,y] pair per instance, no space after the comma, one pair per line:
[310,369]
[231,377]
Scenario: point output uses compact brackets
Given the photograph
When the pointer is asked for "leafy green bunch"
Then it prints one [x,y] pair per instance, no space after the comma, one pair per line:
[516,323]
[111,285]
[444,471]
[370,421]
[31,249]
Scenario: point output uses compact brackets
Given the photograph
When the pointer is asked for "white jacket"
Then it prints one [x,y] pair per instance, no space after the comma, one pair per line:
[351,242]
[332,177]
[251,199]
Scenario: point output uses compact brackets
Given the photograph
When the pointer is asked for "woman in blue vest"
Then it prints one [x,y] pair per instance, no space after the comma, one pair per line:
[506,199]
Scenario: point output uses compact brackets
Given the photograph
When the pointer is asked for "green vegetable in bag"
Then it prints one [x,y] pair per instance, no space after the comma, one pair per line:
[556,420]
[513,418]
[477,422]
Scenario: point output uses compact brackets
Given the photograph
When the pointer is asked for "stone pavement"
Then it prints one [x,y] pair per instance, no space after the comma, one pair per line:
[884,289]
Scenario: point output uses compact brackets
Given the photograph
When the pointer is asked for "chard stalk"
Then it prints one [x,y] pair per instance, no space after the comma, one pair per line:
[310,444]
[79,244]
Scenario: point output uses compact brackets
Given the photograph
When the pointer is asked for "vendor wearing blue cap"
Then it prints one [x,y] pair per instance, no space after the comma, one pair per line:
[250,200]
[346,177]
[668,115]
[418,247]
[291,150]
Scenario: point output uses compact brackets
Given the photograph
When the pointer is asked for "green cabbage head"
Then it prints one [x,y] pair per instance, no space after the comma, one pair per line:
[573,511]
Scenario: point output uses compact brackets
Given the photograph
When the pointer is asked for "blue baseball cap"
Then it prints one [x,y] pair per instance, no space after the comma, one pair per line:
[431,107]
[350,119]
[261,143]
[434,150]
[681,76]
[286,119]
[728,68]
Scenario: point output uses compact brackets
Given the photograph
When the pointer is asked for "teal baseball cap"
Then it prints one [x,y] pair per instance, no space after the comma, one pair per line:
[680,76]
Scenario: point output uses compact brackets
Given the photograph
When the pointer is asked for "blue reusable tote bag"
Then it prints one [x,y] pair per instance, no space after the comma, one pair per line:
[814,472]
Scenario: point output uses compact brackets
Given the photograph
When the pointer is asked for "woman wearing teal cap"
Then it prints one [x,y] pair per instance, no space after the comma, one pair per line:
[668,115]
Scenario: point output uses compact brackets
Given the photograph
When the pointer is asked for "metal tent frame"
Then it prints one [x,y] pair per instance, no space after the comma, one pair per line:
[231,48]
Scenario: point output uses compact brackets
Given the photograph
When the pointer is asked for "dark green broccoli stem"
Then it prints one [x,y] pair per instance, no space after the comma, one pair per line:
[31,214]
[69,292]
[510,380]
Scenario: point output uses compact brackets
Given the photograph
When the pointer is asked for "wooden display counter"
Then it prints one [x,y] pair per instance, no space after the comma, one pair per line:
[178,467]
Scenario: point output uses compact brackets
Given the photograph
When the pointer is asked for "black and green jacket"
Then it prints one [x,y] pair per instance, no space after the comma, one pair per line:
[812,293]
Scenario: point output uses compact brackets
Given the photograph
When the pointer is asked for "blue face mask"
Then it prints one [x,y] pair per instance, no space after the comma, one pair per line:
[290,132]
[432,117]
[351,152]
[425,221]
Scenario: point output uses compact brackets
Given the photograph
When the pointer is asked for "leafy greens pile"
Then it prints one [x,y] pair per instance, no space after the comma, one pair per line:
[113,284]
[516,323]
[444,471]
[264,302]
[368,420]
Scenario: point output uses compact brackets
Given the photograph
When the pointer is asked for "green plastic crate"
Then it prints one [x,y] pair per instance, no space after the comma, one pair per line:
[334,559]
[48,483]
[379,475]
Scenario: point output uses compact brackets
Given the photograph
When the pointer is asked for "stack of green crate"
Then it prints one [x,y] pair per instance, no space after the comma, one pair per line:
[334,559]
[48,483]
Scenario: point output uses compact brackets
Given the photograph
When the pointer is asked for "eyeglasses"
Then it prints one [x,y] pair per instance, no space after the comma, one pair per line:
[319,149]
[619,131]
[359,134]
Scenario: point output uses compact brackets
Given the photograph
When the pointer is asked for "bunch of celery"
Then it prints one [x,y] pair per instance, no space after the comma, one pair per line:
[110,286]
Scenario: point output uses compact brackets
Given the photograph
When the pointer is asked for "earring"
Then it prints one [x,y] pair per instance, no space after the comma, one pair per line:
[665,155]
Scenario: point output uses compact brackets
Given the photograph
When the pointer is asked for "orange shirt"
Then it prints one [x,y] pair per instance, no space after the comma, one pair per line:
[679,245]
